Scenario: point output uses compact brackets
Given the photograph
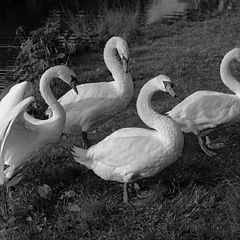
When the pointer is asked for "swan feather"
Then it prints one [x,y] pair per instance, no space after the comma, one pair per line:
[7,124]
[206,109]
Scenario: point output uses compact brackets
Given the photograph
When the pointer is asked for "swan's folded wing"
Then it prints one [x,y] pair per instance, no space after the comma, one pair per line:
[126,146]
[220,110]
[14,116]
[207,111]
[89,92]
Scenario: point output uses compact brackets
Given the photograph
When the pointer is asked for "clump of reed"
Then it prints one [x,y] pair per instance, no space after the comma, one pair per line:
[118,21]
[98,28]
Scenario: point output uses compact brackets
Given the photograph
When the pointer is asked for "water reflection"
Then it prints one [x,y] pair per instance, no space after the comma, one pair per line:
[169,8]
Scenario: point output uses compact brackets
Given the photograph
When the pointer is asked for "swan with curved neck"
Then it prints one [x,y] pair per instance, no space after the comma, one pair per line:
[23,137]
[130,154]
[206,111]
[99,102]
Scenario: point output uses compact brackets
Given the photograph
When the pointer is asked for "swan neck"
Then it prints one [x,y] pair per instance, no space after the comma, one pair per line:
[228,79]
[122,81]
[47,95]
[148,115]
[113,60]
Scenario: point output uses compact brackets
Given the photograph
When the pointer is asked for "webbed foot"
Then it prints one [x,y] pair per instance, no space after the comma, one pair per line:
[212,145]
[204,148]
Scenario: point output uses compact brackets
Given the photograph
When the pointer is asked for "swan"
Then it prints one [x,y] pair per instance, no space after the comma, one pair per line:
[22,137]
[99,102]
[206,111]
[129,154]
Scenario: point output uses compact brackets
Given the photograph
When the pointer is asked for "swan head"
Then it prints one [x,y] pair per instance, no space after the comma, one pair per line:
[65,74]
[237,54]
[164,83]
[123,51]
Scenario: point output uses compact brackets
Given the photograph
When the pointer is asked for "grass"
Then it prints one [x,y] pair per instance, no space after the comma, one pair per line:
[197,197]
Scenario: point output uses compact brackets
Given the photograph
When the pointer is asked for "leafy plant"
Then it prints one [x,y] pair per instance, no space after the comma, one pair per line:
[42,49]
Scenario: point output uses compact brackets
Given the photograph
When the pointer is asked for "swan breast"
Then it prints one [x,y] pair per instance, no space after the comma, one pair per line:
[132,152]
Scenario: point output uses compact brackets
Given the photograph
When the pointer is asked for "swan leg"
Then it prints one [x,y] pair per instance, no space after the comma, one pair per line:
[136,189]
[204,148]
[219,127]
[86,142]
[212,145]
[125,192]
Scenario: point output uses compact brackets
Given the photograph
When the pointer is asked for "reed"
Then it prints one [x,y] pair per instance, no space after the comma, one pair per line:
[118,21]
[109,21]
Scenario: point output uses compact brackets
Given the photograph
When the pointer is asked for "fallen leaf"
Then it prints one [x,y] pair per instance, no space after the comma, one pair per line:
[45,191]
[74,208]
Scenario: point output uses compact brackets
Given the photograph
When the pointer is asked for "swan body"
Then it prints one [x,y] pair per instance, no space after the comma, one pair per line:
[99,102]
[209,109]
[23,137]
[129,154]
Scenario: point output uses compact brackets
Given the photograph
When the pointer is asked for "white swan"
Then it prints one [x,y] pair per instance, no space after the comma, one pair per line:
[98,102]
[133,153]
[23,137]
[203,111]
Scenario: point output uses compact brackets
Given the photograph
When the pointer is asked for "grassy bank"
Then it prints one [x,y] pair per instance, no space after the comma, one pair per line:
[195,198]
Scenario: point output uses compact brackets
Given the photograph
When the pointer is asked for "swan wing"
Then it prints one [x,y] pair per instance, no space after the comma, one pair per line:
[206,110]
[6,125]
[126,146]
[89,93]
[94,104]
[14,96]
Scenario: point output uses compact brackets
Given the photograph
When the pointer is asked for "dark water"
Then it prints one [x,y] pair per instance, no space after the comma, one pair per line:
[32,14]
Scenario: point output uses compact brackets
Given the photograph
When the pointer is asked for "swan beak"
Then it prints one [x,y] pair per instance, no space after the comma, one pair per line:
[171,91]
[34,104]
[238,58]
[125,64]
[73,84]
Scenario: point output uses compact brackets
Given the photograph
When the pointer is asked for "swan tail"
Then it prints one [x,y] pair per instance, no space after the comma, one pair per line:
[81,156]
[184,123]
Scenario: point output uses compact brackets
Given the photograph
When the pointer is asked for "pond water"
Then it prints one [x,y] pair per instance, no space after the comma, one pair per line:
[32,13]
